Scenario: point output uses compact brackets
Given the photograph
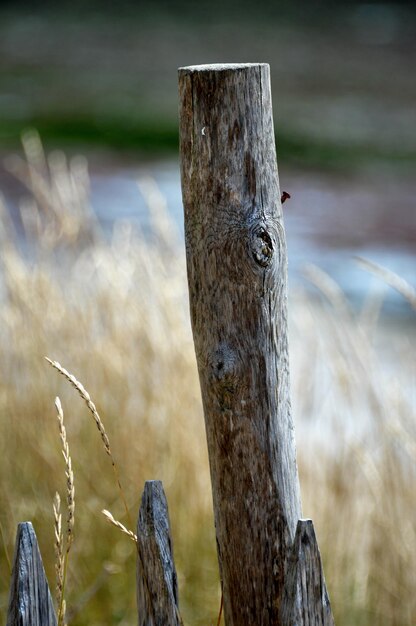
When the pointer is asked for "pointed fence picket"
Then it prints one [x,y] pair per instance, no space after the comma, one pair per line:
[30,602]
[157,583]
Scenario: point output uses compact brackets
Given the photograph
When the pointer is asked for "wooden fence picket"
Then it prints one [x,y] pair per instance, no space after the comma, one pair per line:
[30,601]
[306,600]
[157,583]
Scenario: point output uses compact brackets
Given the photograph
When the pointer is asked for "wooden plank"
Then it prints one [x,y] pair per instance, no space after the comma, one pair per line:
[237,275]
[30,602]
[306,600]
[157,583]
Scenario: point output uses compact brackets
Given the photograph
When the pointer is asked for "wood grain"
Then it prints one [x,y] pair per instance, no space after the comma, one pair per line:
[30,602]
[237,275]
[157,584]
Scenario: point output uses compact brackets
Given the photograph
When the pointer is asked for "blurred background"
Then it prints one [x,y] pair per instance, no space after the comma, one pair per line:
[90,191]
[100,78]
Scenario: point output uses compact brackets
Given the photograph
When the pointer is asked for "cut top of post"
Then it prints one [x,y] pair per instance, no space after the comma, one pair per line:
[219,67]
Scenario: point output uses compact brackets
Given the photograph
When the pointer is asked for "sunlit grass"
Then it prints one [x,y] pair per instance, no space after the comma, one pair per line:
[113,310]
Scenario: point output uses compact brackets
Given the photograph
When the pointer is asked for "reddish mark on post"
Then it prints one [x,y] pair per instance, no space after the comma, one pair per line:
[285,196]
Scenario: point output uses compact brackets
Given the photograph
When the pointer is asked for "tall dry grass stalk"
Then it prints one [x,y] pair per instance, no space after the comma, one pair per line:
[90,404]
[62,559]
[70,488]
[114,305]
[104,438]
[59,550]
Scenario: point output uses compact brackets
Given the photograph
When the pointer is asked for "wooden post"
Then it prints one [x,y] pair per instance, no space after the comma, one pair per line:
[30,602]
[157,584]
[306,600]
[236,260]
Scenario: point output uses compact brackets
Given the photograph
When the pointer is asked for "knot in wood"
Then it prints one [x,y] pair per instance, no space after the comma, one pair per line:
[222,362]
[223,377]
[262,246]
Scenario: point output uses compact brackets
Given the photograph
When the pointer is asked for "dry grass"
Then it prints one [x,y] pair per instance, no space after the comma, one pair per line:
[61,564]
[110,519]
[90,404]
[59,553]
[101,429]
[114,310]
[70,488]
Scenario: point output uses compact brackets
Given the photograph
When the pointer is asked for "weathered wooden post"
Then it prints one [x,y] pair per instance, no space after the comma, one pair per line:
[30,602]
[157,583]
[237,265]
[305,598]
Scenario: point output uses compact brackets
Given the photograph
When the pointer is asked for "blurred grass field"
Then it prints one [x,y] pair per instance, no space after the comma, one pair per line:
[114,312]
